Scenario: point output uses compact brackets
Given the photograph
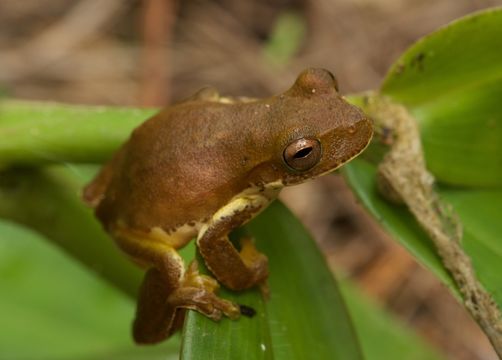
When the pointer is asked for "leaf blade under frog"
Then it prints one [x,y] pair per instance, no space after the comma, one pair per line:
[305,311]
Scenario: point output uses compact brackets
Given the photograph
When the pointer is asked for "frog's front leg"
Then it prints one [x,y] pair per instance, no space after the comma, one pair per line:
[167,289]
[236,270]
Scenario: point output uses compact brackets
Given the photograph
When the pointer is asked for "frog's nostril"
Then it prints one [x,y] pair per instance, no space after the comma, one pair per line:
[351,129]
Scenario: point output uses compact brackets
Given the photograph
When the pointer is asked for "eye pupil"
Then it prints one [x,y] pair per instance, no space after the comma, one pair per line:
[303,152]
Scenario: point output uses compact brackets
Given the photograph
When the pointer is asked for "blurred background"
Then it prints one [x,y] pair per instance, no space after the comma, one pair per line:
[154,52]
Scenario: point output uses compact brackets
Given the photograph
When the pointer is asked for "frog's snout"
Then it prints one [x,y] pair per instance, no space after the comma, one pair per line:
[366,130]
[361,132]
[353,138]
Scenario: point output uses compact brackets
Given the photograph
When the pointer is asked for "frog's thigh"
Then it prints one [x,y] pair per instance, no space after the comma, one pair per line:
[149,251]
[155,319]
[236,270]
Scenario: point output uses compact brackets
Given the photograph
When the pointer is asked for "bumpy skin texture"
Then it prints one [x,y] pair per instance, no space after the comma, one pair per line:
[204,167]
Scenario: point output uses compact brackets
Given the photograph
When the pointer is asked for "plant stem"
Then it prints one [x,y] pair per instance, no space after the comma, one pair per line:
[36,133]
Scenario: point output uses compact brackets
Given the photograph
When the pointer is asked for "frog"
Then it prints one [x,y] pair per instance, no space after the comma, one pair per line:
[203,167]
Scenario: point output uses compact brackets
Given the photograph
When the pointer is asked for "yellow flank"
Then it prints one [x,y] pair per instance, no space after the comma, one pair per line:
[179,238]
[143,247]
[235,100]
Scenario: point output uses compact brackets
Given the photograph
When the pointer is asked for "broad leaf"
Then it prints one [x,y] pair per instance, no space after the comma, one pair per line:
[451,80]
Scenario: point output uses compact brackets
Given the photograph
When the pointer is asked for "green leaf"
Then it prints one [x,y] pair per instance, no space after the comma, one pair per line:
[306,308]
[305,311]
[247,336]
[361,176]
[479,212]
[451,80]
[52,308]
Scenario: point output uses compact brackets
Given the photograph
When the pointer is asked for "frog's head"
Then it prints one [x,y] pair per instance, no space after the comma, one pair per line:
[320,131]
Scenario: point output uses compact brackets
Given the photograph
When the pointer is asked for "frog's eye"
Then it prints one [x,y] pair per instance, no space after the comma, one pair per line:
[302,154]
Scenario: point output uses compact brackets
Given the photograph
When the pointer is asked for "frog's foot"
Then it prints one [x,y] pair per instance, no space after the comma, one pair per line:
[197,292]
[256,262]
[236,270]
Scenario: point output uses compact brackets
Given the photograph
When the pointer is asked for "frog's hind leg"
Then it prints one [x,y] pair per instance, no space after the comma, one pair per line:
[167,289]
[154,320]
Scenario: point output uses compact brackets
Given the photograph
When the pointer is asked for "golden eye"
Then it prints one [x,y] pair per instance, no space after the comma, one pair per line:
[302,154]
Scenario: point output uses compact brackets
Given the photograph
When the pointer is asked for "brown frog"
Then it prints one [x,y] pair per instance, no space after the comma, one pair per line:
[205,166]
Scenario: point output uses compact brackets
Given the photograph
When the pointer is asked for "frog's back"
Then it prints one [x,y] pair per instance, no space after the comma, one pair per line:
[171,172]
